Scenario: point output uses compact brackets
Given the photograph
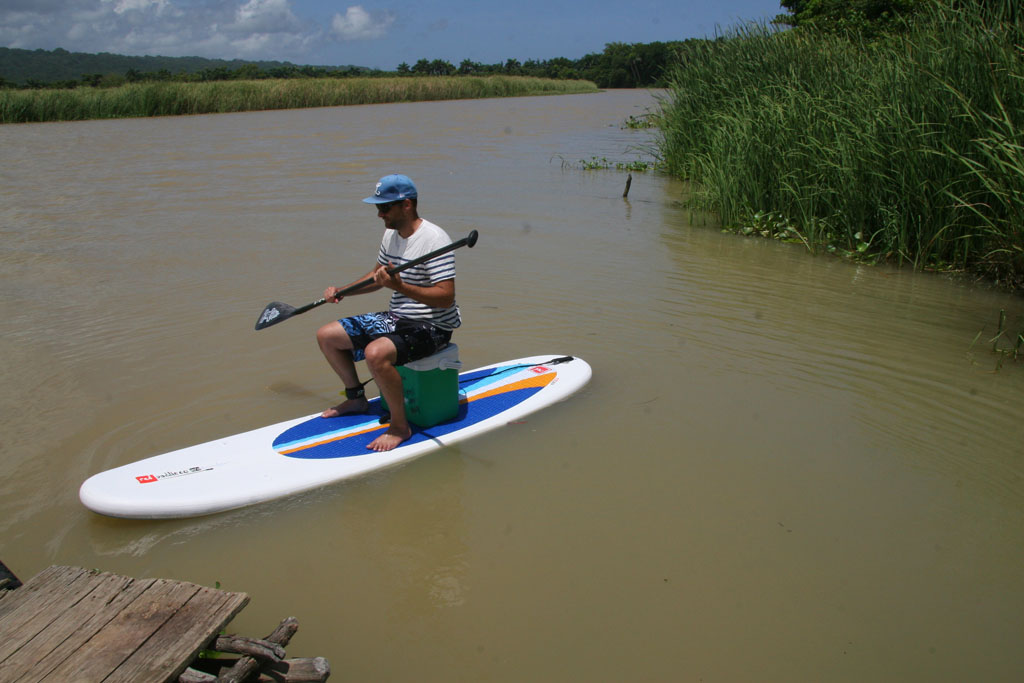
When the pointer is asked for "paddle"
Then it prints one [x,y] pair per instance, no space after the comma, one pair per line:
[276,311]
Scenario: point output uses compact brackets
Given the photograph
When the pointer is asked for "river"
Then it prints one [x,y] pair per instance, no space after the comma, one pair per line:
[786,467]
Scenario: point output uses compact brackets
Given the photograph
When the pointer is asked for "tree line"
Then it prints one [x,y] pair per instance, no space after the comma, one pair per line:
[619,65]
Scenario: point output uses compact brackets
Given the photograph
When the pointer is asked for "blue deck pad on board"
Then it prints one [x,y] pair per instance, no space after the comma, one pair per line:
[347,436]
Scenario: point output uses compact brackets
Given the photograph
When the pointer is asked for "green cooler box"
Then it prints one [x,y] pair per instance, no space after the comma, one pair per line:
[431,387]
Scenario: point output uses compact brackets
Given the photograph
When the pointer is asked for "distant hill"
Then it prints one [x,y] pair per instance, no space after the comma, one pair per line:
[54,66]
[619,65]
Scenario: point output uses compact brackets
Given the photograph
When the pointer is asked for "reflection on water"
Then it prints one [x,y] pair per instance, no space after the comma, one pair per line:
[786,467]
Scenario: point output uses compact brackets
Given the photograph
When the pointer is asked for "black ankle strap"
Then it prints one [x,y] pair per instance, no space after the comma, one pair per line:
[358,392]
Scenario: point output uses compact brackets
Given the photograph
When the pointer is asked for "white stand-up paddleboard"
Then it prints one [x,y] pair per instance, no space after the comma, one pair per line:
[310,452]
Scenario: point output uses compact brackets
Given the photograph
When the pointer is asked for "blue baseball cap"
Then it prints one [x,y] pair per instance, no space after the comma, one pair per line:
[392,188]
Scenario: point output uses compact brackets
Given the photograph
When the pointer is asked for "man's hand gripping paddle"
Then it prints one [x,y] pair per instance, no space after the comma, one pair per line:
[276,311]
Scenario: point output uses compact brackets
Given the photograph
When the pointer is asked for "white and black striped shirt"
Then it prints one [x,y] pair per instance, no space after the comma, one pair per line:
[396,250]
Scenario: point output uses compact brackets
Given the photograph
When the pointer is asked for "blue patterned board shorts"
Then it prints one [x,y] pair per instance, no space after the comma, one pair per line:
[414,339]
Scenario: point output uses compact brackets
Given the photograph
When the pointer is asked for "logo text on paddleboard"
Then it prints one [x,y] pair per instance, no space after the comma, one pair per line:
[150,478]
[540,369]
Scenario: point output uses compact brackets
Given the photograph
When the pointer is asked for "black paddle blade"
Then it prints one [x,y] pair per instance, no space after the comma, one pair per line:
[274,313]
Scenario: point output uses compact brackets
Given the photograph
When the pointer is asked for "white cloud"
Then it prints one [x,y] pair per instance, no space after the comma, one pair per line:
[358,24]
[122,6]
[228,29]
[264,16]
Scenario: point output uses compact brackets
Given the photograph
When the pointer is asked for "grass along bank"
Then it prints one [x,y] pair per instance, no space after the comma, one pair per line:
[907,149]
[176,99]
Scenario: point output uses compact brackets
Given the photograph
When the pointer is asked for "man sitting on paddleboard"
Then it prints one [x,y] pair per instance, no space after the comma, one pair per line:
[420,319]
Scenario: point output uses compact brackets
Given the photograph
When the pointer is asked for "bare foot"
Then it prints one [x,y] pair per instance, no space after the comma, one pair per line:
[349,407]
[390,439]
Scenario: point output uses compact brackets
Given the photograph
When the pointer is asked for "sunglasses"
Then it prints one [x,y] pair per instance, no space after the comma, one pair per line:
[384,208]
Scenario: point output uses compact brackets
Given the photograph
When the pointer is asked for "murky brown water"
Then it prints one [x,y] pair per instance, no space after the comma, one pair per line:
[786,468]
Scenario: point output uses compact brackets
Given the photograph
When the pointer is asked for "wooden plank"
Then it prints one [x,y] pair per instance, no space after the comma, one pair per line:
[13,599]
[50,647]
[40,605]
[171,649]
[129,629]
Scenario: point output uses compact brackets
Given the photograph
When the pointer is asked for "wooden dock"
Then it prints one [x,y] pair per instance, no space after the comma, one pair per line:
[72,624]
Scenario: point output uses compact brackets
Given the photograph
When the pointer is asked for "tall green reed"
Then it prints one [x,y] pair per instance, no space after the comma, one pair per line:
[172,99]
[906,149]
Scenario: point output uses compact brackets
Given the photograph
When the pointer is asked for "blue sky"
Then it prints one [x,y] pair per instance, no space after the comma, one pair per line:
[374,33]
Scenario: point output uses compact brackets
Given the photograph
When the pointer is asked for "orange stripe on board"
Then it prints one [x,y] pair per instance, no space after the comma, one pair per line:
[336,438]
[535,382]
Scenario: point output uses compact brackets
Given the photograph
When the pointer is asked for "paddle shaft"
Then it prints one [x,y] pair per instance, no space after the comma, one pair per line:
[469,241]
